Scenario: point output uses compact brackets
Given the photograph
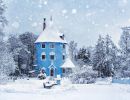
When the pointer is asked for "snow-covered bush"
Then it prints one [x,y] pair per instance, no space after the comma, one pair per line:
[7,64]
[84,75]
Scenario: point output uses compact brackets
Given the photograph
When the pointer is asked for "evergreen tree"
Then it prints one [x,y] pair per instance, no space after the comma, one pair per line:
[28,39]
[84,55]
[125,52]
[104,58]
[99,56]
[73,50]
[7,64]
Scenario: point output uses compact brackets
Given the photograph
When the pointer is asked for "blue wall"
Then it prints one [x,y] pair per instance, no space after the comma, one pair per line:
[57,62]
[121,81]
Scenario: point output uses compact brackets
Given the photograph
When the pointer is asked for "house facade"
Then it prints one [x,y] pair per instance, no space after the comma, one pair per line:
[50,51]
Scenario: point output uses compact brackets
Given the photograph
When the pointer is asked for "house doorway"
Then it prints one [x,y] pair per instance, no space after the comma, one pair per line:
[51,72]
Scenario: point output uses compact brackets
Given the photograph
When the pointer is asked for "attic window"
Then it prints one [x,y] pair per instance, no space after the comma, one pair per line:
[43,45]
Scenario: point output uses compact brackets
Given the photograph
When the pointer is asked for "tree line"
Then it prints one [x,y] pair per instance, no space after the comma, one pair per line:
[105,58]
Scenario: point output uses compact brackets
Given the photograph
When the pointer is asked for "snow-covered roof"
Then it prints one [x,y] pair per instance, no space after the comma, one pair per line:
[68,63]
[50,34]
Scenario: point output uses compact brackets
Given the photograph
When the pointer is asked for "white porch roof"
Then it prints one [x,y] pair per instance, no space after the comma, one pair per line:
[68,63]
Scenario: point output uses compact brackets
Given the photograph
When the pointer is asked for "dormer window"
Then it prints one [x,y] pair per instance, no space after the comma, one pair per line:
[43,45]
[52,45]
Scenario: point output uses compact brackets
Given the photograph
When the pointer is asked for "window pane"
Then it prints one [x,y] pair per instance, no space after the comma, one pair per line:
[52,57]
[43,45]
[43,57]
[63,70]
[63,57]
[52,45]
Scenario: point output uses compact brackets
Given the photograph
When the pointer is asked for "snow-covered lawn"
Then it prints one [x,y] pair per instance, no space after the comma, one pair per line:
[32,89]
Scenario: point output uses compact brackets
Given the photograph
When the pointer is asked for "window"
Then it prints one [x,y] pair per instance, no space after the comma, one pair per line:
[63,70]
[52,45]
[52,72]
[63,57]
[43,45]
[64,46]
[43,57]
[52,57]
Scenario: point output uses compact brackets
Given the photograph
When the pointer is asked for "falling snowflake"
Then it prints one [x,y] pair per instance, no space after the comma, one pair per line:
[74,11]
[64,11]
[87,6]
[40,6]
[106,25]
[123,10]
[45,2]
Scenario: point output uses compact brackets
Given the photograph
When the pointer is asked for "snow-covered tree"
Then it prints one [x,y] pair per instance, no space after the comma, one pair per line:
[125,41]
[72,50]
[19,51]
[104,56]
[125,52]
[84,75]
[99,56]
[28,39]
[7,65]
[22,48]
[3,20]
[84,56]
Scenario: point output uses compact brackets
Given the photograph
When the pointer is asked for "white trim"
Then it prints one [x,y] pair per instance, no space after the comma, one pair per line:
[51,65]
[52,53]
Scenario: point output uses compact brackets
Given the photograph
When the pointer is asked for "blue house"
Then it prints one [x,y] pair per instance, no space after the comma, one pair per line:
[50,51]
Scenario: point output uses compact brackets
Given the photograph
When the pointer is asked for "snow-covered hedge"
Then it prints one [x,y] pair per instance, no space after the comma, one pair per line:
[84,75]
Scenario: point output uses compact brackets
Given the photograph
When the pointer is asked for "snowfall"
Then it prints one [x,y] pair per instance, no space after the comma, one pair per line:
[25,89]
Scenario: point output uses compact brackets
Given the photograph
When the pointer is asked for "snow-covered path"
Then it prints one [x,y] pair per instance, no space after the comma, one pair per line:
[33,90]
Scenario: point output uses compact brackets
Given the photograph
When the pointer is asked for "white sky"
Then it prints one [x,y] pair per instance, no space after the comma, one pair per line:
[80,20]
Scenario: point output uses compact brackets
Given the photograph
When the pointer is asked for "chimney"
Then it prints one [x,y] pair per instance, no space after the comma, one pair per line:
[44,24]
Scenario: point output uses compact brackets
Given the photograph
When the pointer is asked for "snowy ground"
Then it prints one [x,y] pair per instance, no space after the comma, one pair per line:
[32,89]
